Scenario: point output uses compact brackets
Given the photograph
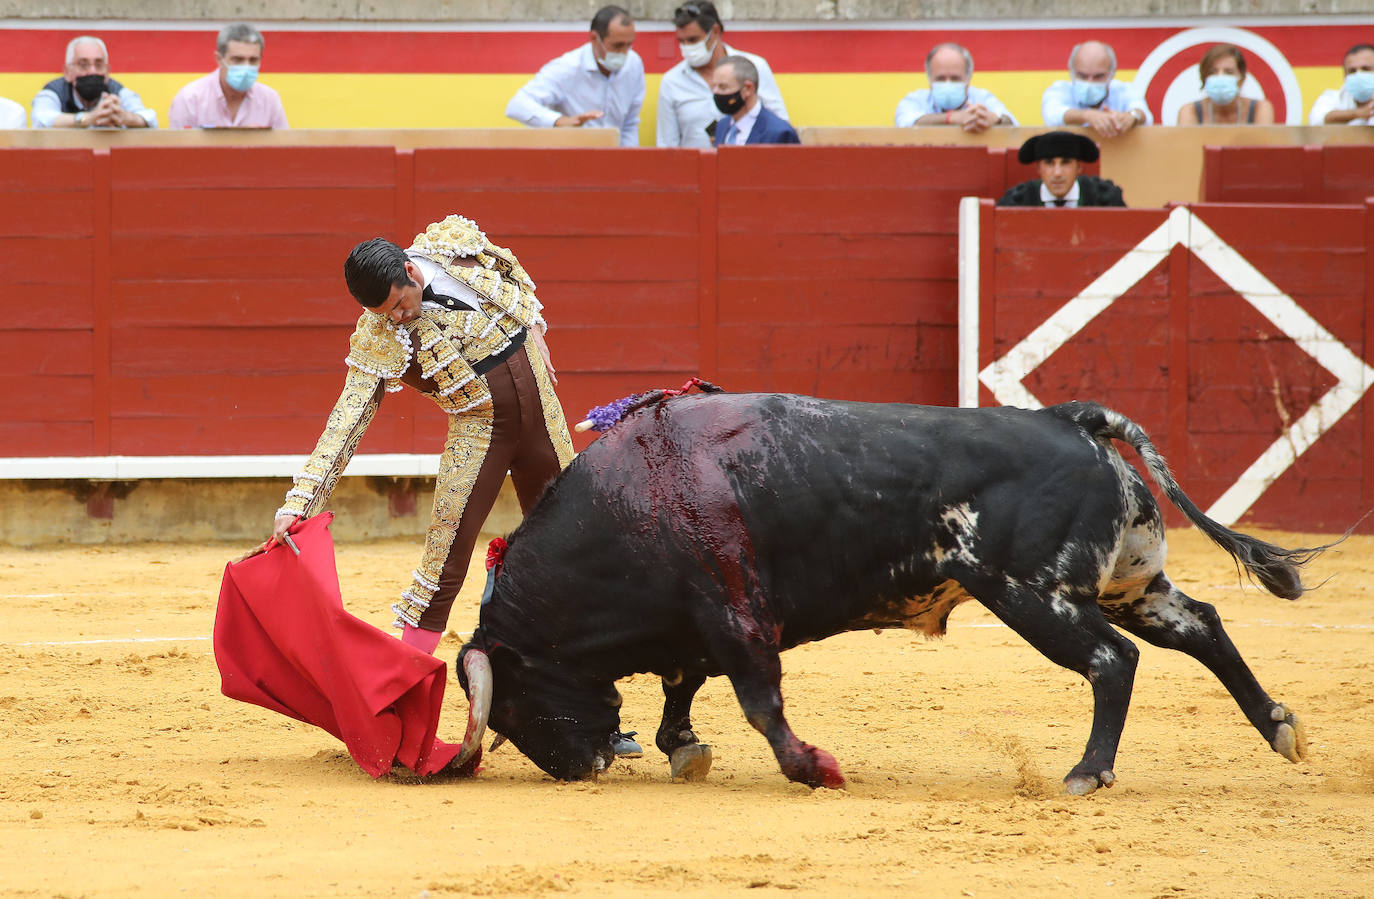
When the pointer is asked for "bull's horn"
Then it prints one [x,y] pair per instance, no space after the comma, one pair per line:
[478,668]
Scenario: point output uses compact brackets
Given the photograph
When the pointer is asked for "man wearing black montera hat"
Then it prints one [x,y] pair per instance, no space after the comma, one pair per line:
[1060,156]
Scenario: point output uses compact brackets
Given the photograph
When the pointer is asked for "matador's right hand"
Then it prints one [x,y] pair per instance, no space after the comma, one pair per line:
[279,528]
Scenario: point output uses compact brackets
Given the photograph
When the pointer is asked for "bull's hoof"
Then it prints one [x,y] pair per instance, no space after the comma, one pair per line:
[1289,740]
[691,762]
[827,770]
[1083,784]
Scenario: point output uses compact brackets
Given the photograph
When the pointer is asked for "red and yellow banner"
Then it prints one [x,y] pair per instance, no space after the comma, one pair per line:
[462,76]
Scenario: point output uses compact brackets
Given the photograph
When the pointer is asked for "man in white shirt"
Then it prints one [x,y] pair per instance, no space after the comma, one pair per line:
[12,115]
[1093,97]
[686,110]
[598,85]
[1353,104]
[951,100]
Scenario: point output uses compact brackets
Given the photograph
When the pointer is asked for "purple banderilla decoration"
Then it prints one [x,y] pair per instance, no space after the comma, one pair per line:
[603,418]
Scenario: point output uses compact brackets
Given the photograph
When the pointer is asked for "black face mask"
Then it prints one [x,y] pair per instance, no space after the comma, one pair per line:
[730,103]
[90,87]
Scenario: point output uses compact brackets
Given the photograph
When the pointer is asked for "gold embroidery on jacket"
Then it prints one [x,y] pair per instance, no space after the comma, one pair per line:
[554,421]
[347,423]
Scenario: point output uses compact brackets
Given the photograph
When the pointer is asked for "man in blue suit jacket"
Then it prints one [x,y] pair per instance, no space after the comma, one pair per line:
[735,84]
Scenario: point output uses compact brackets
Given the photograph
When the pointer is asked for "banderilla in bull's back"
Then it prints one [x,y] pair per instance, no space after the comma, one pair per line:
[703,534]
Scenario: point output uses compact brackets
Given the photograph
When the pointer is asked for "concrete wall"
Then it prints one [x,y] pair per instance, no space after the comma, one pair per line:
[452,11]
[38,513]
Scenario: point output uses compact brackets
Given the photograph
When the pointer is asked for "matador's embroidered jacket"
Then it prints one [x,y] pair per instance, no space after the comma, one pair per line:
[435,353]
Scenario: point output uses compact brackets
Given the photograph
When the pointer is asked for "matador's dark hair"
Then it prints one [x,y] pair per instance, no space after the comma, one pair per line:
[372,269]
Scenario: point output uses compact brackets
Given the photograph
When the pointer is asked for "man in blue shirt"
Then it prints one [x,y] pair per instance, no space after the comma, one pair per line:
[951,100]
[1093,97]
[598,85]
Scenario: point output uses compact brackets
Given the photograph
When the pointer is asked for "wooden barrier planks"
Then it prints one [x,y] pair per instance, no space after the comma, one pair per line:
[229,317]
[1250,381]
[839,278]
[47,282]
[1306,174]
[1228,350]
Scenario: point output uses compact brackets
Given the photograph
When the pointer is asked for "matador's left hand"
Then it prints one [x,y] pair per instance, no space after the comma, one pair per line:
[538,336]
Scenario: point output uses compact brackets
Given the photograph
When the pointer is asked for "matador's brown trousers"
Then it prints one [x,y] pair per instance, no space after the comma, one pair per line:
[520,444]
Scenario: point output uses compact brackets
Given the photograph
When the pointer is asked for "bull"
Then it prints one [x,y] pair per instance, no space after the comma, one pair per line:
[705,534]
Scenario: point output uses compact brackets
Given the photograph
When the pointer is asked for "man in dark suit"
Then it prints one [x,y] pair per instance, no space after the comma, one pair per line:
[1060,156]
[735,84]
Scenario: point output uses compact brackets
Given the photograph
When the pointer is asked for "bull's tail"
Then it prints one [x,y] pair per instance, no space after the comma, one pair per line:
[1277,568]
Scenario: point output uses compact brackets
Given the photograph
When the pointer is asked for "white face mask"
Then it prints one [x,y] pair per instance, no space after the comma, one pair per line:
[611,62]
[698,54]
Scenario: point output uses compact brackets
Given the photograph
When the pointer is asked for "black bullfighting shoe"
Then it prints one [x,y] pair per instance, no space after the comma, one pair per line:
[624,745]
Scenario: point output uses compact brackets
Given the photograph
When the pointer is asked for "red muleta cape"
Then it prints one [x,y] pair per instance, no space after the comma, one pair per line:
[283,641]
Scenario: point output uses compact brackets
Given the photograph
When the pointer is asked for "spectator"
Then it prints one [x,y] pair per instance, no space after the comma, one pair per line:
[1060,155]
[1353,104]
[86,96]
[12,115]
[1093,97]
[686,110]
[1223,72]
[600,84]
[735,85]
[230,96]
[951,100]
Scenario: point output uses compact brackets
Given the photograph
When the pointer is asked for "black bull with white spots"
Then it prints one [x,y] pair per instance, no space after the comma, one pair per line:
[706,534]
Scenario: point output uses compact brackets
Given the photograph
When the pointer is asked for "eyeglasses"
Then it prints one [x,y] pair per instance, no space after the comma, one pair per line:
[689,9]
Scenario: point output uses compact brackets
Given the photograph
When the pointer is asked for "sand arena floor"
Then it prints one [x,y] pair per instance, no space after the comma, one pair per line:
[126,773]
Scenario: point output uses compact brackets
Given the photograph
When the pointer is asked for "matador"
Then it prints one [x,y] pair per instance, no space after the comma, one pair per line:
[449,317]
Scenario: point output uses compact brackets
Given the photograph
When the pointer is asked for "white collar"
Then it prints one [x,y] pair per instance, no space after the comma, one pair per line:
[1048,198]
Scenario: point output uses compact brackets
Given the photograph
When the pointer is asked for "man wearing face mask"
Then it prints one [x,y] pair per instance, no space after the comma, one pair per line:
[1093,97]
[1353,104]
[735,86]
[951,100]
[598,85]
[230,96]
[686,109]
[1059,158]
[86,96]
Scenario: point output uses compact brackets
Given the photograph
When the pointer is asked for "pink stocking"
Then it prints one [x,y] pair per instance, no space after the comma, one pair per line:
[421,639]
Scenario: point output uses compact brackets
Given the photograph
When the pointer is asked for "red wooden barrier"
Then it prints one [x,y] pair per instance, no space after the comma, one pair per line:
[1325,174]
[1236,335]
[47,223]
[198,306]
